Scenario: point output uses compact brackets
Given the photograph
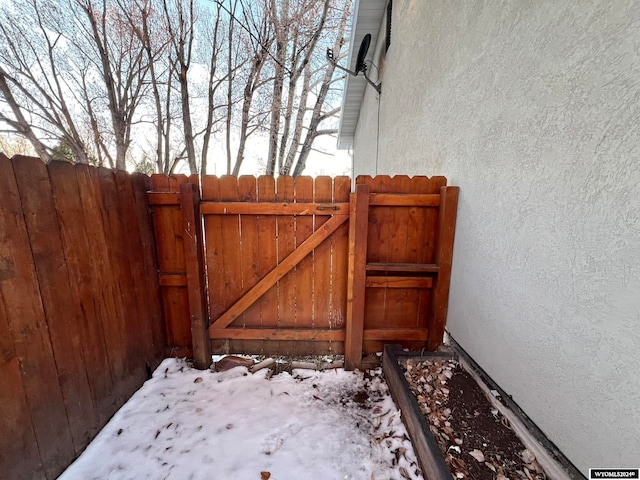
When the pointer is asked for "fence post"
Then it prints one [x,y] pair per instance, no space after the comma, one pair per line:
[193,255]
[444,255]
[358,227]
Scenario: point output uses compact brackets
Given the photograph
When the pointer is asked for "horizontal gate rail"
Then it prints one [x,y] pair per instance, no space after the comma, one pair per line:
[404,199]
[273,208]
[334,335]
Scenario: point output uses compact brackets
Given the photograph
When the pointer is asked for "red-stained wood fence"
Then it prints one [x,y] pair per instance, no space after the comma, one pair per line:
[302,265]
[103,273]
[80,312]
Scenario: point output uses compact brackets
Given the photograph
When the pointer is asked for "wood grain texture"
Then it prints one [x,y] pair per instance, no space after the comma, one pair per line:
[69,357]
[358,229]
[230,244]
[444,257]
[304,299]
[120,282]
[340,259]
[295,334]
[62,312]
[277,273]
[322,257]
[82,287]
[405,199]
[285,192]
[213,248]
[277,208]
[102,295]
[137,327]
[268,258]
[250,251]
[28,373]
[151,288]
[193,254]
[381,228]
[399,282]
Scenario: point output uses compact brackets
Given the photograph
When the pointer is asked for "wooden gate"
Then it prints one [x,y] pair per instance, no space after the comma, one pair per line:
[303,266]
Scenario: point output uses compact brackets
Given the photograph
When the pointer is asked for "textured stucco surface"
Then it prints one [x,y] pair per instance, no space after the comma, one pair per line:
[533,109]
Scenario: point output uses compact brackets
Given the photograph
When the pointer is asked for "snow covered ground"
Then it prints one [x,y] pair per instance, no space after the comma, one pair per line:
[190,424]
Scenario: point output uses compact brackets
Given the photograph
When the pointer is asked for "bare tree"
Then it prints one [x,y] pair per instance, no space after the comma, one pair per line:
[321,110]
[180,20]
[122,66]
[257,47]
[60,58]
[214,27]
[297,32]
[12,145]
[174,79]
[285,63]
[32,82]
[20,123]
[149,27]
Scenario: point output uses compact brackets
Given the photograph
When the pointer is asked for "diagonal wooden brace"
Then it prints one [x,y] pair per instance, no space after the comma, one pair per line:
[278,272]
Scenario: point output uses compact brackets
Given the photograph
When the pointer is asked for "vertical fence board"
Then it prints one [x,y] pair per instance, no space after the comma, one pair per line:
[213,240]
[247,192]
[444,255]
[304,270]
[419,244]
[189,205]
[150,288]
[431,219]
[304,300]
[401,304]
[340,260]
[381,229]
[268,259]
[286,245]
[117,245]
[322,193]
[17,438]
[178,296]
[339,265]
[82,285]
[169,245]
[137,329]
[105,300]
[230,245]
[62,311]
[358,223]
[27,371]
[213,256]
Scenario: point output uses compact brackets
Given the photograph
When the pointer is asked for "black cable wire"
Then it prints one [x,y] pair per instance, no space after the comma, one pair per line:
[378,133]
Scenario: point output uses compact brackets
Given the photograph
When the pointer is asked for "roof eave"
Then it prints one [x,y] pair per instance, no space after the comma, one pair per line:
[367,16]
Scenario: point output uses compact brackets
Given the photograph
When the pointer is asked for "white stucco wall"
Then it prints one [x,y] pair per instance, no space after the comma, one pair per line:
[533,109]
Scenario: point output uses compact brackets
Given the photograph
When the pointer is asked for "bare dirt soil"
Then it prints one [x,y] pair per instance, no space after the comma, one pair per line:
[476,441]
